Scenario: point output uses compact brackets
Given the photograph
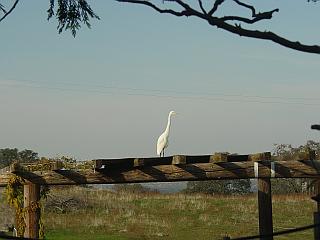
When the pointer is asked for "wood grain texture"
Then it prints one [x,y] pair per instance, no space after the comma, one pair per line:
[171,173]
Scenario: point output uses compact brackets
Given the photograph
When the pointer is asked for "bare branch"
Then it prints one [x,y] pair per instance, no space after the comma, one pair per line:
[149,4]
[201,6]
[216,4]
[240,19]
[263,15]
[253,10]
[8,12]
[264,35]
[3,9]
[183,4]
[236,29]
[257,17]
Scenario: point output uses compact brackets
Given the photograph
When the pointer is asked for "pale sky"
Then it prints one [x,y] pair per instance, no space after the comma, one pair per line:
[107,92]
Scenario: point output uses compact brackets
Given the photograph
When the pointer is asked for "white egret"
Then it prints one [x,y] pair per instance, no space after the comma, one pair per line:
[163,139]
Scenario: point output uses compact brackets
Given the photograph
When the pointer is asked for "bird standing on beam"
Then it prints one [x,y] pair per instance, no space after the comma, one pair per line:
[163,139]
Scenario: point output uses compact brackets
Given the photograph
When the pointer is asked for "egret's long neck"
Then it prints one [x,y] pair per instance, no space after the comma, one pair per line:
[168,124]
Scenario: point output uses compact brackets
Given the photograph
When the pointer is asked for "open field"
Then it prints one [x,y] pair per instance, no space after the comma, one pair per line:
[102,214]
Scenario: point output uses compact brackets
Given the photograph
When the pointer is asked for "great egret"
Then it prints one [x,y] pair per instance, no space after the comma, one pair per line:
[163,139]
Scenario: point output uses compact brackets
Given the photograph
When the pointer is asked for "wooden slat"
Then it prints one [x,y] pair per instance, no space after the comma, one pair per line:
[170,173]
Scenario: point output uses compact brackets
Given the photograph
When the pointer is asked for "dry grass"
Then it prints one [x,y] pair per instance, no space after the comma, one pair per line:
[165,216]
[175,216]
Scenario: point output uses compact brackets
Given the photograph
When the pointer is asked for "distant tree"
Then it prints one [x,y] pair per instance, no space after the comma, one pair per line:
[71,14]
[8,155]
[28,156]
[286,152]
[239,186]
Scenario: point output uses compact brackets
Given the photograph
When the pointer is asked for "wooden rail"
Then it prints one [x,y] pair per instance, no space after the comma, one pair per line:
[171,173]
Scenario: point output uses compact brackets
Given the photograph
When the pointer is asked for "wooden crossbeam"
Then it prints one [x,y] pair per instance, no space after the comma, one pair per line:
[171,173]
[177,160]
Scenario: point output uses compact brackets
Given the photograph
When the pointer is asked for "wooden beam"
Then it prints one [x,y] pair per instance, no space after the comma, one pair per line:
[31,199]
[171,173]
[177,159]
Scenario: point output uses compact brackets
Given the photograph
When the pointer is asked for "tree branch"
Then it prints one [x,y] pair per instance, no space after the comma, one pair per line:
[253,10]
[3,9]
[266,35]
[216,4]
[6,13]
[149,4]
[201,6]
[236,29]
[260,16]
[257,17]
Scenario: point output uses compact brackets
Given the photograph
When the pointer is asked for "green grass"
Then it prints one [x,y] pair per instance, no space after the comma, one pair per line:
[102,214]
[62,234]
[177,216]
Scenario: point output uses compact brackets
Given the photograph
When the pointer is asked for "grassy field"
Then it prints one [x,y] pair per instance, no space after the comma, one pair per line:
[102,214]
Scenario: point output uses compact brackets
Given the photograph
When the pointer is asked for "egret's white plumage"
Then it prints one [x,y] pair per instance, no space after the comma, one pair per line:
[163,139]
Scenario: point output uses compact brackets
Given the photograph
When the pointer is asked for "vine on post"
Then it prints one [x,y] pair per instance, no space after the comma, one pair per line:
[14,195]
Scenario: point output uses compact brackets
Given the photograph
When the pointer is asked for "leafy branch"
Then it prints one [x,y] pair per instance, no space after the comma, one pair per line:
[70,14]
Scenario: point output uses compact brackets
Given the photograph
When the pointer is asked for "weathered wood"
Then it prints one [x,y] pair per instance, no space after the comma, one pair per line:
[219,157]
[32,215]
[265,207]
[170,173]
[126,163]
[264,195]
[179,159]
[36,166]
[259,156]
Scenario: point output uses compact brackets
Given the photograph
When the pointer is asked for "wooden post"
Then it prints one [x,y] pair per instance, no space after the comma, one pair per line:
[31,199]
[265,207]
[311,155]
[316,215]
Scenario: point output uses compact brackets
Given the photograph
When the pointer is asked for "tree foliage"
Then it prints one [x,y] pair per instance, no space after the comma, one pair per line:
[8,155]
[228,187]
[71,14]
[287,152]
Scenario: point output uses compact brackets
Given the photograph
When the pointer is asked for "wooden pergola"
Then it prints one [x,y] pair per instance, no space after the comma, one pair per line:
[166,169]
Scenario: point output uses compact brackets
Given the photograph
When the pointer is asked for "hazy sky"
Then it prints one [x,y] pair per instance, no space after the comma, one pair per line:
[107,92]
